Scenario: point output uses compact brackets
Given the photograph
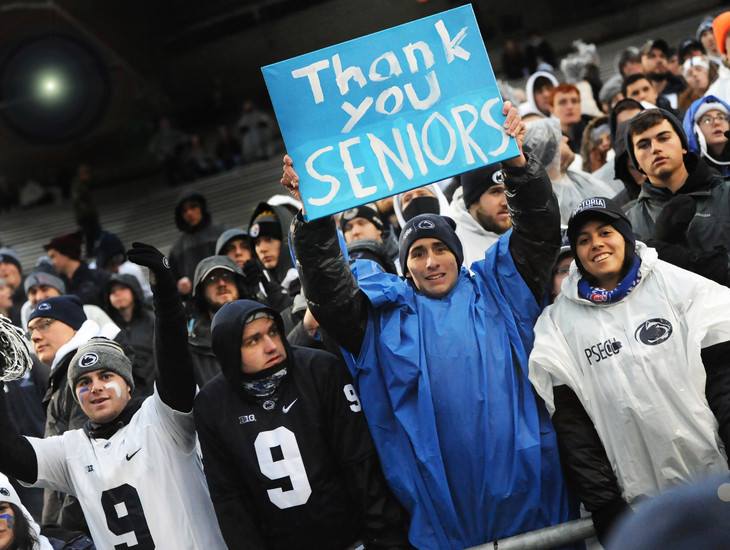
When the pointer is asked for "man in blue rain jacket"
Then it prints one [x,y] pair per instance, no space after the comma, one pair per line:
[440,360]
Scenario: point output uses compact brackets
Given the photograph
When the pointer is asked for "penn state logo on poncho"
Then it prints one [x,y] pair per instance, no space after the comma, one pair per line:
[653,332]
[44,307]
[255,230]
[4,492]
[88,359]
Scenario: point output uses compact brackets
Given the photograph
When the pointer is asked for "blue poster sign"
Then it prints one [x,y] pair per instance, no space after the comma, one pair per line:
[387,112]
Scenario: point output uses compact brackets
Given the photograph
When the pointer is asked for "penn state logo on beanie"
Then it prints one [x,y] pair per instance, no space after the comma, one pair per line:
[67,309]
[422,226]
[99,354]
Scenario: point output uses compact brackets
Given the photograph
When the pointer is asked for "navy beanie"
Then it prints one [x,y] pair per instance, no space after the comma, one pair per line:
[67,309]
[477,182]
[422,226]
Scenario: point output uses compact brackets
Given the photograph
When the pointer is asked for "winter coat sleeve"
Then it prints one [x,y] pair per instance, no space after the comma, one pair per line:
[587,468]
[175,380]
[384,520]
[332,293]
[711,264]
[535,239]
[17,459]
[716,360]
[229,500]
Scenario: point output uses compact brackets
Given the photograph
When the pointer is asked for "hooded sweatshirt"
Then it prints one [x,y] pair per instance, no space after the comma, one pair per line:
[139,331]
[300,470]
[284,272]
[474,238]
[530,106]
[194,243]
[696,140]
[437,192]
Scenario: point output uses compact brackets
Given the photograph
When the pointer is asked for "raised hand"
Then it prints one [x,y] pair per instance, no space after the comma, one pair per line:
[290,179]
[151,258]
[514,127]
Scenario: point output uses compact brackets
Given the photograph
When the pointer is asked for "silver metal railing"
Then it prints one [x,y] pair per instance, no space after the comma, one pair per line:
[542,539]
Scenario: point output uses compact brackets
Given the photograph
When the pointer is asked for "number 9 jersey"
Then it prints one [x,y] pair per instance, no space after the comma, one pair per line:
[298,469]
[142,488]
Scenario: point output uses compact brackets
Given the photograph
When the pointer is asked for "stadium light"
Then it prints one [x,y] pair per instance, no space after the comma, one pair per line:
[49,86]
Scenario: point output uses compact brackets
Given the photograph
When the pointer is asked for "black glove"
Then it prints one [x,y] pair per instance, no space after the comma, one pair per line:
[253,272]
[604,519]
[151,258]
[672,223]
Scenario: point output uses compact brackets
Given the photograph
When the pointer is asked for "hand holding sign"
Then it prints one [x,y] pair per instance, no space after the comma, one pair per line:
[385,113]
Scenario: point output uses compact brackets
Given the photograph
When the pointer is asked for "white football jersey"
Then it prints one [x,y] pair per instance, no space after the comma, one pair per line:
[143,488]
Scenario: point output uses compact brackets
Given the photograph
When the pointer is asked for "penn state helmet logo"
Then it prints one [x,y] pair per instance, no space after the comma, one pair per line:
[44,306]
[498,177]
[88,359]
[425,224]
[255,230]
[653,332]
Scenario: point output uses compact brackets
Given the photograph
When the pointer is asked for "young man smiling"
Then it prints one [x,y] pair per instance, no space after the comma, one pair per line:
[684,208]
[440,362]
[130,458]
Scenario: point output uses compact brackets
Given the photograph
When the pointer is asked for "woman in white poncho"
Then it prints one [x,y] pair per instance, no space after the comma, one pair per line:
[632,362]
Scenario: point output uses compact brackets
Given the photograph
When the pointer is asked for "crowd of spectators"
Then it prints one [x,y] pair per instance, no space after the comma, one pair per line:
[463,362]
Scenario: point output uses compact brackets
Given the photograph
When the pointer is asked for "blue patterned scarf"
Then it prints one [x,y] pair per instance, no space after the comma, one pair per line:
[599,295]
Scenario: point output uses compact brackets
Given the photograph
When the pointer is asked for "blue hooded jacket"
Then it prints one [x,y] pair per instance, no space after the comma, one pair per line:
[692,130]
[469,448]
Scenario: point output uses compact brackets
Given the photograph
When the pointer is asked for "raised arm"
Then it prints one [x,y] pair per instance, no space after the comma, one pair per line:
[17,459]
[175,381]
[332,293]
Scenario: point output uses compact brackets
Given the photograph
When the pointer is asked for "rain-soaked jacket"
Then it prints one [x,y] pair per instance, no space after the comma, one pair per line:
[643,370]
[464,443]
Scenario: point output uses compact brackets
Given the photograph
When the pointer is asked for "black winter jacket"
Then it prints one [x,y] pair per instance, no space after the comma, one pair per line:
[298,469]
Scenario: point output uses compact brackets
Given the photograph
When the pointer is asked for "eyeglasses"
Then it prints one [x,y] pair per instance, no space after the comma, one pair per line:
[708,120]
[220,275]
[40,326]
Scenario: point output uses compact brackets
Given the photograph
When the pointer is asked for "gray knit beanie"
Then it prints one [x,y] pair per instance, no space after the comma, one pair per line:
[99,354]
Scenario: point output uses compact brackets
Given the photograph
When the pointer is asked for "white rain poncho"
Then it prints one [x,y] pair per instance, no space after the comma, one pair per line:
[8,494]
[636,367]
[543,140]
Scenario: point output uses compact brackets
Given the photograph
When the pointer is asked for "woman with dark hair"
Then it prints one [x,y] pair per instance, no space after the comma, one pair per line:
[631,361]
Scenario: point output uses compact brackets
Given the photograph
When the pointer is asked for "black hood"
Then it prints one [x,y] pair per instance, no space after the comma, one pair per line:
[131,282]
[620,162]
[227,330]
[200,199]
[285,217]
[109,246]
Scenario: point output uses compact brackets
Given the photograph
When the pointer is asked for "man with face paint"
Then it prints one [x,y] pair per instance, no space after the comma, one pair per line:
[287,453]
[131,457]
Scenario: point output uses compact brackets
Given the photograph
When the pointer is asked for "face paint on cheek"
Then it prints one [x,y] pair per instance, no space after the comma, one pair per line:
[83,393]
[8,519]
[114,386]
